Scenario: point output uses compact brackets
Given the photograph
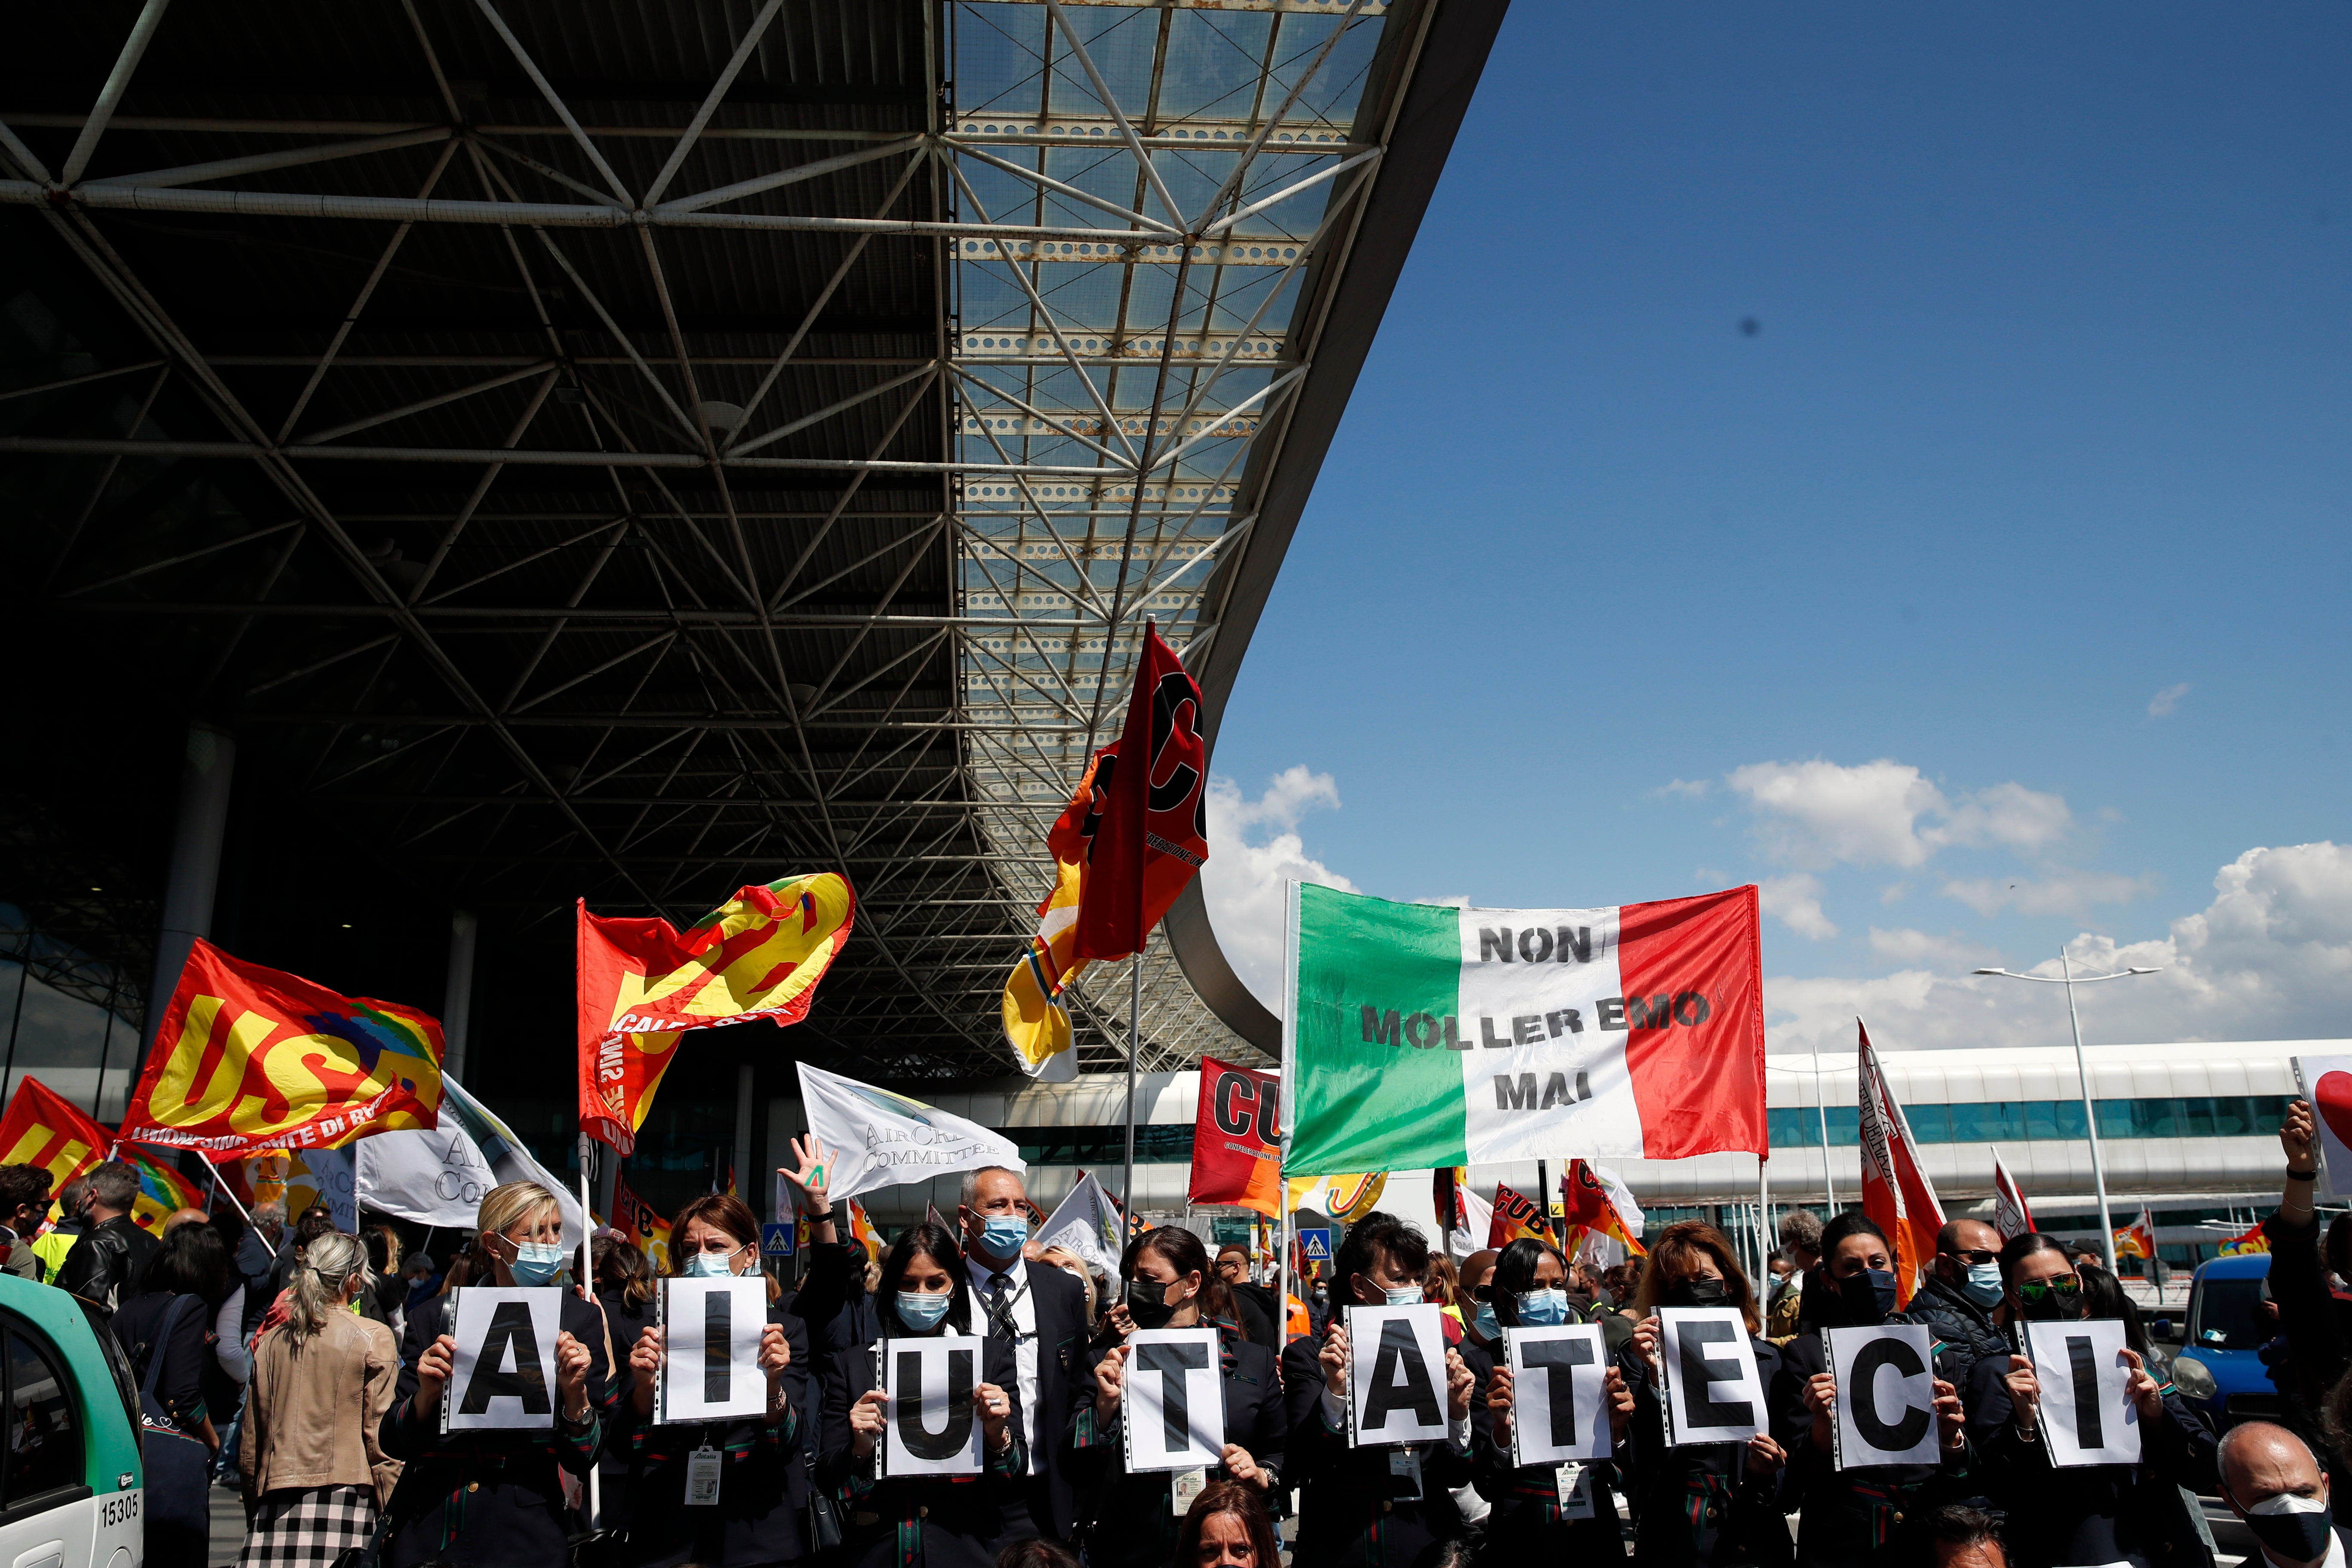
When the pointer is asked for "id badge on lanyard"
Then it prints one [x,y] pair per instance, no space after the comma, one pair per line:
[1575,1484]
[1404,1465]
[702,1471]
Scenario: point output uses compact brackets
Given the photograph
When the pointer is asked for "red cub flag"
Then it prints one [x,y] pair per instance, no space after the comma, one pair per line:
[1236,1140]
[43,1128]
[1895,1192]
[1515,1215]
[1148,831]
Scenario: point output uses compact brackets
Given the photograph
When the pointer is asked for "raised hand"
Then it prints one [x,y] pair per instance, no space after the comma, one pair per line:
[1243,1469]
[812,1173]
[1459,1383]
[2024,1392]
[2298,1137]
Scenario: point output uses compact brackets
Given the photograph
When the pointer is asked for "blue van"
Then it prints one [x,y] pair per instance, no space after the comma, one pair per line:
[2219,1366]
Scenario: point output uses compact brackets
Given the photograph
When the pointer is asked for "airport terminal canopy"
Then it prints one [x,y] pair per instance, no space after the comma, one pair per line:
[629,450]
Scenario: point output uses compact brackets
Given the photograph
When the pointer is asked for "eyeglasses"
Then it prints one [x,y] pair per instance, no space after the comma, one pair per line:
[1479,1292]
[1974,1254]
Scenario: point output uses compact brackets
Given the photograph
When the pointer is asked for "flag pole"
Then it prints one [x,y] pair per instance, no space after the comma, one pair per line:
[1822,1103]
[588,1293]
[1134,1028]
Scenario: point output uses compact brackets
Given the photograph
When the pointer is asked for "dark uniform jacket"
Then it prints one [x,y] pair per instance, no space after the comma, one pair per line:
[1852,1516]
[1061,1306]
[763,1484]
[831,1299]
[1967,1330]
[104,1266]
[916,1522]
[1131,1518]
[1527,1520]
[1353,1510]
[489,1499]
[1702,1503]
[623,1323]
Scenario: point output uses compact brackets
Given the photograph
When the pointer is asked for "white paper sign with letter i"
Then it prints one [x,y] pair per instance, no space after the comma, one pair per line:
[1556,1412]
[929,1426]
[711,1349]
[1886,1394]
[1175,1400]
[1396,1375]
[2087,1416]
[1713,1392]
[503,1375]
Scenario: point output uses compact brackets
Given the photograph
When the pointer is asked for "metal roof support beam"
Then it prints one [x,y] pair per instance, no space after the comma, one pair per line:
[555,101]
[263,162]
[117,81]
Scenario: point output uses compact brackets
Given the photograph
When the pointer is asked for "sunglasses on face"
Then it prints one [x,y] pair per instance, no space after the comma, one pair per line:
[2066,1289]
[1479,1292]
[1974,1253]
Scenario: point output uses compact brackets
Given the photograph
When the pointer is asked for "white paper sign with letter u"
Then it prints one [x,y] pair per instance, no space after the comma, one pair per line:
[2087,1416]
[503,1375]
[711,1349]
[1557,1412]
[1710,1389]
[1175,1400]
[1396,1375]
[929,1426]
[1886,1394]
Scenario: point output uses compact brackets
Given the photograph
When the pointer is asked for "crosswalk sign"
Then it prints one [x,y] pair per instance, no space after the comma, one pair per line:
[1316,1246]
[776,1238]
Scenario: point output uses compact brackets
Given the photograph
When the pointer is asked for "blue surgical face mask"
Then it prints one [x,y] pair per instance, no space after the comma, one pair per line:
[536,1263]
[1485,1321]
[1408,1296]
[707,1265]
[1543,1308]
[1004,1234]
[922,1309]
[1983,1284]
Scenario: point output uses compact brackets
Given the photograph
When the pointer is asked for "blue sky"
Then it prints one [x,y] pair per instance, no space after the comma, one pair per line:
[2044,416]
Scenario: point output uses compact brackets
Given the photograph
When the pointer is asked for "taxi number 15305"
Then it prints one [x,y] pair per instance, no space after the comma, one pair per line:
[121,1509]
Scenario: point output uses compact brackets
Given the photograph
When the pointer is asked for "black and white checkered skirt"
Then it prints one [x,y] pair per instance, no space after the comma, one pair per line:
[308,1527]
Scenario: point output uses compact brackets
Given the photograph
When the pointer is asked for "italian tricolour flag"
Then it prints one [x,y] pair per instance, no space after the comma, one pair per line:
[1420,1036]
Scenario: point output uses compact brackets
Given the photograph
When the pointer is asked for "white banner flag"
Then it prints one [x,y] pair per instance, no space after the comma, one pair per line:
[886,1139]
[503,1376]
[1086,1224]
[437,1175]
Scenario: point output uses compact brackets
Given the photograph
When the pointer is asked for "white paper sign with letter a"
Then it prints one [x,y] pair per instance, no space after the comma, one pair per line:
[1556,1403]
[1711,1390]
[1175,1400]
[1396,1375]
[503,1375]
[2087,1416]
[929,1427]
[1886,1394]
[711,1349]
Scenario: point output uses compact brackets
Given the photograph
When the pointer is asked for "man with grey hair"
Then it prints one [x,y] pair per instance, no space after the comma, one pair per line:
[1042,1310]
[104,1266]
[2271,1479]
[258,1251]
[1801,1244]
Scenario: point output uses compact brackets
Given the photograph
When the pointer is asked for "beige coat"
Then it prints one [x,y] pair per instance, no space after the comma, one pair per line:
[313,1407]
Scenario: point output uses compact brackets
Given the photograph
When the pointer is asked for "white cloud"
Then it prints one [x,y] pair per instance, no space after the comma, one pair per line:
[2166,701]
[1689,789]
[1242,881]
[1953,952]
[2269,958]
[2059,893]
[1885,812]
[1796,902]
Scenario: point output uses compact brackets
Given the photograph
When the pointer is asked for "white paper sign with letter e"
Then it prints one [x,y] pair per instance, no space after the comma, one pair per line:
[1886,1394]
[503,1375]
[2327,1082]
[929,1426]
[1396,1375]
[711,1349]
[1173,1411]
[1714,1393]
[2087,1416]
[1557,1412]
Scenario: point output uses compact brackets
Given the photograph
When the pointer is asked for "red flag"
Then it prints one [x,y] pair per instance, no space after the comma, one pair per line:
[1236,1142]
[1895,1192]
[43,1128]
[2010,1215]
[1150,831]
[1585,1202]
[2254,1240]
[642,1224]
[1515,1215]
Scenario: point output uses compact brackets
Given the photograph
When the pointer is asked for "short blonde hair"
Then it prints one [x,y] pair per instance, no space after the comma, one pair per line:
[1062,1258]
[514,1203]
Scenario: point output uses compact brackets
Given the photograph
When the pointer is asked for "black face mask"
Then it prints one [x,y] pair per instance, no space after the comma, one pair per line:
[1867,1296]
[2297,1537]
[1698,1293]
[1147,1303]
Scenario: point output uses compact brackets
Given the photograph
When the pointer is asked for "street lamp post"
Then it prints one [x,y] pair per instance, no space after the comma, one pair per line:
[2069,979]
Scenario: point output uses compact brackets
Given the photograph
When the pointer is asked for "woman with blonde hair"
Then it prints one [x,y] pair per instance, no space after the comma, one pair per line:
[496,1499]
[322,1379]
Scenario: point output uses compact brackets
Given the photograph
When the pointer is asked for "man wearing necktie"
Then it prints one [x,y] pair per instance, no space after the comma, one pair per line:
[1043,1312]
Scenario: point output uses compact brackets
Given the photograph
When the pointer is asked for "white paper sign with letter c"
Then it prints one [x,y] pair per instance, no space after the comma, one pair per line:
[1712,1391]
[929,1426]
[1557,1413]
[503,1375]
[1886,1394]
[1173,1400]
[1396,1375]
[710,1349]
[2087,1416]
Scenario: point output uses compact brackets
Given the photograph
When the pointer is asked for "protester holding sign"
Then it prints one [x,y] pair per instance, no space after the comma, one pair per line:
[1542,1512]
[720,1493]
[936,1520]
[1715,1502]
[2020,1408]
[1168,1285]
[1377,1503]
[494,1498]
[1848,1501]
[2315,1320]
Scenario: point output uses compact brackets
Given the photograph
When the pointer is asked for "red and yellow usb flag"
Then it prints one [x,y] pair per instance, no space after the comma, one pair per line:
[43,1128]
[643,982]
[248,1058]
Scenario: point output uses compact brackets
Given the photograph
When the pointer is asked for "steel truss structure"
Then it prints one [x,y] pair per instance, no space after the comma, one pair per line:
[629,453]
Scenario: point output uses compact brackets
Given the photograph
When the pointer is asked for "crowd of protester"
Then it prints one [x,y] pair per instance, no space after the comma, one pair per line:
[304,1366]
